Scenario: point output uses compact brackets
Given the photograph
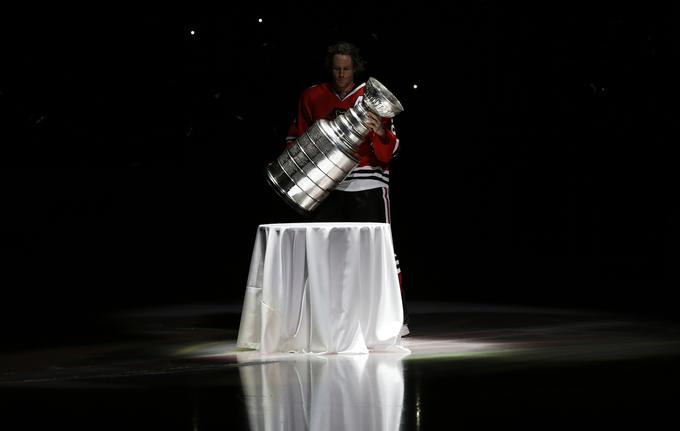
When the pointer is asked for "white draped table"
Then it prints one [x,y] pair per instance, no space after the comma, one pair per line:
[322,288]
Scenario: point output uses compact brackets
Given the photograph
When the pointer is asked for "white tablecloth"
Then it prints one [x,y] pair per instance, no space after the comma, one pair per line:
[322,288]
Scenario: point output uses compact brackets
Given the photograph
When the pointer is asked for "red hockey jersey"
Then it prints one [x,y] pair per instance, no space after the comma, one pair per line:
[375,153]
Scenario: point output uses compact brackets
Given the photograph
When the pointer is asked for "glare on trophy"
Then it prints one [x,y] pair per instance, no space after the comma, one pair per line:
[305,173]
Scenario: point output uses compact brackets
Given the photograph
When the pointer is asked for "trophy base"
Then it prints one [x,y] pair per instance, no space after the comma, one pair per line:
[282,194]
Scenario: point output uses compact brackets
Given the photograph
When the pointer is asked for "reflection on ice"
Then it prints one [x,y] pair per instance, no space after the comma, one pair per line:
[330,392]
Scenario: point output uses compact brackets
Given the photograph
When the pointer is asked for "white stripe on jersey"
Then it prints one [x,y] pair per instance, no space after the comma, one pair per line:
[369,172]
[386,202]
[359,185]
[365,178]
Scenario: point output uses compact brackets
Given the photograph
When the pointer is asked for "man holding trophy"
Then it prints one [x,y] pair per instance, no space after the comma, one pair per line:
[362,194]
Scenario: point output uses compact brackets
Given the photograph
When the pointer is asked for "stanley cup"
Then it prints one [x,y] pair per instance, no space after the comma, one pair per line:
[323,156]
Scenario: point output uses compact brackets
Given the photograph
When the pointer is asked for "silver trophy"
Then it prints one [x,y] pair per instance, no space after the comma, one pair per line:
[324,155]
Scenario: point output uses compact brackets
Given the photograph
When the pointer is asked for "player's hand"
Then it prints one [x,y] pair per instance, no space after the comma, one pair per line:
[375,124]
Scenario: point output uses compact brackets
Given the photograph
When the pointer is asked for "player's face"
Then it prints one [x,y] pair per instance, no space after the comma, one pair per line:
[343,71]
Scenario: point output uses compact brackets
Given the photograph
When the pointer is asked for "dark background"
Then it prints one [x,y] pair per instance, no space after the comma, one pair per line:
[536,164]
